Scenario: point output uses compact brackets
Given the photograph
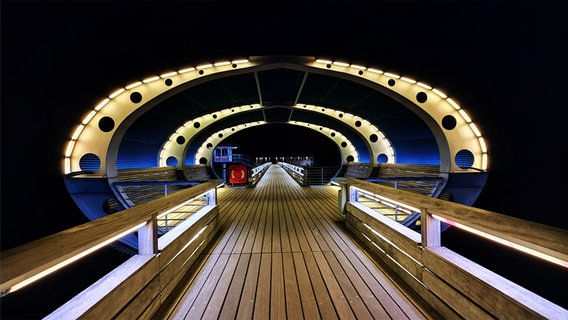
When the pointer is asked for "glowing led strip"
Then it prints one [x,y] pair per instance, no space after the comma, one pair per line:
[70,260]
[505,242]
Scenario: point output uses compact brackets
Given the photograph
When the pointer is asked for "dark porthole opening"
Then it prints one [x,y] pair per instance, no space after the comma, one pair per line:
[421,97]
[373,138]
[106,124]
[135,97]
[168,82]
[391,82]
[180,140]
[449,122]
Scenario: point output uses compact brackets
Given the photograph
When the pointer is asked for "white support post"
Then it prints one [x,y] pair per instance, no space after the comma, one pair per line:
[342,197]
[353,195]
[148,237]
[211,196]
[431,231]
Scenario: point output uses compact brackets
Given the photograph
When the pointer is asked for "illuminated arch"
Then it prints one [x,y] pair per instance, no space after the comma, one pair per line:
[172,148]
[100,132]
[205,152]
[176,148]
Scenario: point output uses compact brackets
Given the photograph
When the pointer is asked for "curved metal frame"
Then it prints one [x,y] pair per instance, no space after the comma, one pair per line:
[126,104]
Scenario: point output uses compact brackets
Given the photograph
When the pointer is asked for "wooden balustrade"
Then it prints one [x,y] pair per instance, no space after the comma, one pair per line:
[139,284]
[442,276]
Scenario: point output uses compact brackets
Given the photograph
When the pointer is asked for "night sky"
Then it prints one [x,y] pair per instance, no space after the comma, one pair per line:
[506,62]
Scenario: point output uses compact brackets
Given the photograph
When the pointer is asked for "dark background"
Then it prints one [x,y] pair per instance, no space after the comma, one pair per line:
[504,62]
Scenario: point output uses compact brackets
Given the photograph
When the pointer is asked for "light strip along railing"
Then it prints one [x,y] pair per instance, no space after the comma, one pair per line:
[296,172]
[138,283]
[454,285]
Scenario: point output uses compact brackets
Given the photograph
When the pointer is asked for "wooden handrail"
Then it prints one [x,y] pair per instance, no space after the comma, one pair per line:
[34,258]
[541,238]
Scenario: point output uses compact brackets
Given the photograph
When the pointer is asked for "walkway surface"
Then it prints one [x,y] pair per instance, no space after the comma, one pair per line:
[282,253]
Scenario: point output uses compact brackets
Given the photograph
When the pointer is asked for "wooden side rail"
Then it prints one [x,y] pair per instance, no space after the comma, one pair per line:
[357,170]
[417,178]
[138,285]
[198,172]
[147,174]
[296,172]
[133,193]
[456,286]
[257,172]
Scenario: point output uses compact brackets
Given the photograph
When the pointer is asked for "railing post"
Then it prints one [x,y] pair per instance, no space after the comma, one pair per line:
[211,196]
[148,237]
[431,231]
[342,197]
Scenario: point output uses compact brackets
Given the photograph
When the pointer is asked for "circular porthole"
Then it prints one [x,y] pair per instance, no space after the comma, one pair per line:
[449,122]
[90,162]
[136,97]
[464,158]
[106,124]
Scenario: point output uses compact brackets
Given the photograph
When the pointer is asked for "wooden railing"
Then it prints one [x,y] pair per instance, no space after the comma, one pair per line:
[454,285]
[257,172]
[138,286]
[296,172]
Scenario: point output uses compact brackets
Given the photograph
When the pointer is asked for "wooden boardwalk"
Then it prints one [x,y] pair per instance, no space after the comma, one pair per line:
[282,253]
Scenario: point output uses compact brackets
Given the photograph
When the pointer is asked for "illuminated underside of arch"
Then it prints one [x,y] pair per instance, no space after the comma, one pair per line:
[102,129]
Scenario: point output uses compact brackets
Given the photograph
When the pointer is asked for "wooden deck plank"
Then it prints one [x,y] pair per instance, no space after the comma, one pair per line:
[217,299]
[267,238]
[294,237]
[236,289]
[325,304]
[283,253]
[259,238]
[277,293]
[307,296]
[292,293]
[339,300]
[201,297]
[248,295]
[262,302]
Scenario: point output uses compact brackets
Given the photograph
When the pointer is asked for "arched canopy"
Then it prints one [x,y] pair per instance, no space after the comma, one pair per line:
[418,123]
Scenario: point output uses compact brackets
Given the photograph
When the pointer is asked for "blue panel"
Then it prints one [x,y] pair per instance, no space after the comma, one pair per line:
[419,151]
[134,154]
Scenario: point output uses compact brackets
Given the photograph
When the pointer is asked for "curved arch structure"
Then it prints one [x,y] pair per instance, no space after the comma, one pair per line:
[177,144]
[101,131]
[345,147]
